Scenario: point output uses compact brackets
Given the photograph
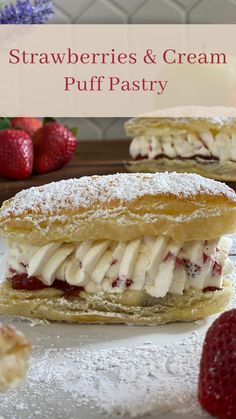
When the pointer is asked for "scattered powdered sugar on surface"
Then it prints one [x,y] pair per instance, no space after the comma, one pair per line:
[130,381]
[86,191]
[32,322]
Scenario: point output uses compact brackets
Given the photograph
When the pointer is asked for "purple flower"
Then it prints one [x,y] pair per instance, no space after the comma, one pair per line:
[26,12]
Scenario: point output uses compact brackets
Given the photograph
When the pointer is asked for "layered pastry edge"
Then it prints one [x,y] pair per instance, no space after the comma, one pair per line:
[223,171]
[204,146]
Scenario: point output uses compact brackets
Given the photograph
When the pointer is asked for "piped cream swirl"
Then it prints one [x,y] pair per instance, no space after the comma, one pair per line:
[185,145]
[155,264]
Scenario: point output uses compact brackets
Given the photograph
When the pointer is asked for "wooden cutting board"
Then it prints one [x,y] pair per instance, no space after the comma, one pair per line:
[93,157]
[100,157]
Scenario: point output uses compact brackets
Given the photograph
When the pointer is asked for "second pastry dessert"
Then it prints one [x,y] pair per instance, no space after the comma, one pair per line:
[206,146]
[124,248]
[14,356]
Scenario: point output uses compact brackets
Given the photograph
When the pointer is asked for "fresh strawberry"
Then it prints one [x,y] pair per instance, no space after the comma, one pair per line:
[29,125]
[16,154]
[217,379]
[54,146]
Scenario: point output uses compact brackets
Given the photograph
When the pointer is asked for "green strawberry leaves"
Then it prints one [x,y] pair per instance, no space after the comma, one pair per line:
[5,123]
[74,130]
[48,120]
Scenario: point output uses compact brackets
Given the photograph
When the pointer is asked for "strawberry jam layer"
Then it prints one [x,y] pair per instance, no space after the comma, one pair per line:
[163,156]
[23,282]
[211,289]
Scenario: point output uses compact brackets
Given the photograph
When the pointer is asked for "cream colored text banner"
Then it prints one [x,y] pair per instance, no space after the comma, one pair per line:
[115,70]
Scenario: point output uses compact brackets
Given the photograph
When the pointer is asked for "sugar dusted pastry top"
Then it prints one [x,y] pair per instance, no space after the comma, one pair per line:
[152,123]
[87,191]
[122,205]
[206,112]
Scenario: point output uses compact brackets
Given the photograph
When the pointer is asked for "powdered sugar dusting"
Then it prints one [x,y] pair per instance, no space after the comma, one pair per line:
[87,191]
[121,381]
[217,121]
[220,115]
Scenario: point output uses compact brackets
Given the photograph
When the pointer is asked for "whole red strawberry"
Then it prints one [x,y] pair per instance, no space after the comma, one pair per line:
[29,125]
[217,379]
[16,154]
[54,146]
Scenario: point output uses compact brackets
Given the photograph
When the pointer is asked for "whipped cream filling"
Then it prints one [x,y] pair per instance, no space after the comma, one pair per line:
[185,145]
[155,264]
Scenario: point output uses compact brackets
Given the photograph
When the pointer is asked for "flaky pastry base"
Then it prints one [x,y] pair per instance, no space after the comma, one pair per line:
[130,307]
[14,355]
[224,171]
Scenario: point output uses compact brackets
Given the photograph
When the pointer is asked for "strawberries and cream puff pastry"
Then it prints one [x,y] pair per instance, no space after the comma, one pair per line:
[124,248]
[14,354]
[206,146]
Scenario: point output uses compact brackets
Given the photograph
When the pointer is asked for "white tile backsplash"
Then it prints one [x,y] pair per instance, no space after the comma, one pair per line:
[73,8]
[102,11]
[130,5]
[213,11]
[159,11]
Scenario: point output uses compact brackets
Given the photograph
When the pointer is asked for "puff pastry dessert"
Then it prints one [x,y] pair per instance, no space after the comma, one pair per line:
[206,146]
[124,248]
[14,355]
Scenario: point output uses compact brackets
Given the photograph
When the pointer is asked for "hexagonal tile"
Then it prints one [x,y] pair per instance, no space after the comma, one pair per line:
[158,11]
[101,11]
[213,11]
[186,4]
[116,130]
[59,17]
[73,7]
[88,128]
[129,5]
[104,123]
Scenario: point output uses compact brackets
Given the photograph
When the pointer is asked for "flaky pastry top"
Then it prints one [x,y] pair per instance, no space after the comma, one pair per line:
[120,207]
[152,124]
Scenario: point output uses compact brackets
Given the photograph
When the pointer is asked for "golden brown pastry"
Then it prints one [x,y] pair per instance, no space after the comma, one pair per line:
[14,355]
[124,248]
[206,146]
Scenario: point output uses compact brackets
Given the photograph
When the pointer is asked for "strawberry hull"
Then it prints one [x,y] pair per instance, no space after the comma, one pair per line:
[28,125]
